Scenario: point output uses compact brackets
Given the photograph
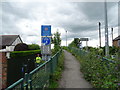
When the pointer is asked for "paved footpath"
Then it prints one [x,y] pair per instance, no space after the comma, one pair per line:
[72,77]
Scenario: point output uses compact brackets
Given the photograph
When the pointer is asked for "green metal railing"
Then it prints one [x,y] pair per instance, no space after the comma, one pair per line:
[77,51]
[82,54]
[39,77]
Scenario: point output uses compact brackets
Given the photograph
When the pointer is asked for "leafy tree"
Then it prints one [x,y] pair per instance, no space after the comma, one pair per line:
[33,47]
[113,50]
[72,44]
[56,40]
[75,43]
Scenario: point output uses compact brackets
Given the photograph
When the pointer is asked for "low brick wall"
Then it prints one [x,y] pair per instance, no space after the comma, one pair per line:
[3,70]
[115,43]
[0,71]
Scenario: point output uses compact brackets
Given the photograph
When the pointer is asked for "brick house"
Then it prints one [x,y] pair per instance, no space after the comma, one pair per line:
[7,44]
[116,41]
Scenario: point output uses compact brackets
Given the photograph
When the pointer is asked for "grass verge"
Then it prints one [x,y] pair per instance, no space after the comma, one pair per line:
[58,73]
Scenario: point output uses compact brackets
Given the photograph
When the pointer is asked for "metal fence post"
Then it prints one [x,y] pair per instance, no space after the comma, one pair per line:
[22,85]
[26,80]
[57,57]
[51,65]
[30,81]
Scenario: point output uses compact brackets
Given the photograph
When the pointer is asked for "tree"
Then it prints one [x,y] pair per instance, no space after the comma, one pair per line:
[33,47]
[72,44]
[56,40]
[75,43]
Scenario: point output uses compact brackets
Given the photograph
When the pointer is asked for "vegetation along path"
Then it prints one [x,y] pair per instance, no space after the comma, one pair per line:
[72,77]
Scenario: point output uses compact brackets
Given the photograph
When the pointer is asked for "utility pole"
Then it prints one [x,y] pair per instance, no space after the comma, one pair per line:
[118,35]
[112,35]
[86,45]
[106,32]
[66,38]
[100,33]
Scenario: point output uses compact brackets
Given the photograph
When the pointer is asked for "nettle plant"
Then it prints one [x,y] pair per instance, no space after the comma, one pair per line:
[101,74]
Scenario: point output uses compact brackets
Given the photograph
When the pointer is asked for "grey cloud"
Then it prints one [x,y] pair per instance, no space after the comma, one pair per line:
[9,24]
[95,10]
[80,18]
[12,15]
[95,13]
[86,26]
[16,11]
[82,34]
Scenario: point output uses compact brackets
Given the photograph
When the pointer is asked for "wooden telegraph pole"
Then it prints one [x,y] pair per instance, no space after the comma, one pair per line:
[100,34]
[112,35]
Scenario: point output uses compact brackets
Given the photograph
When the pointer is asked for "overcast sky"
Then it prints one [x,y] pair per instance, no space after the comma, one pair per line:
[80,19]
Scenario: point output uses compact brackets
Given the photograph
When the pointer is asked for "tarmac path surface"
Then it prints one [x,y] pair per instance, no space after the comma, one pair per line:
[72,76]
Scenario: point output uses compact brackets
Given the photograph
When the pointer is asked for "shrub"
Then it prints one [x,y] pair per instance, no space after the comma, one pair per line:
[24,53]
[17,61]
[33,47]
[101,74]
[55,77]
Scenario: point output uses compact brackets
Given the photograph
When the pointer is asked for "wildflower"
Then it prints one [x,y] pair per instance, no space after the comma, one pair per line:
[118,84]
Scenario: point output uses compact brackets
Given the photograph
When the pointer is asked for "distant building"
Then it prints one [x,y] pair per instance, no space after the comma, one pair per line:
[8,42]
[116,41]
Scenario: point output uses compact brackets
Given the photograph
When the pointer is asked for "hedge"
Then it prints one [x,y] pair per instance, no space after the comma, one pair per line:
[23,53]
[17,61]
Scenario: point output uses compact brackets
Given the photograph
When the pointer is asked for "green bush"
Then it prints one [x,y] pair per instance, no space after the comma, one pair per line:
[64,47]
[56,40]
[101,74]
[33,47]
[58,73]
[23,53]
[17,61]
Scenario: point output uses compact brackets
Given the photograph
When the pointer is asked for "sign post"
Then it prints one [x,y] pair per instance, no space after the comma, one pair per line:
[46,42]
[85,39]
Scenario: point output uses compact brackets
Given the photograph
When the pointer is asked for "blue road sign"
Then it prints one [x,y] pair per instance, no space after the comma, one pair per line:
[46,40]
[46,30]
